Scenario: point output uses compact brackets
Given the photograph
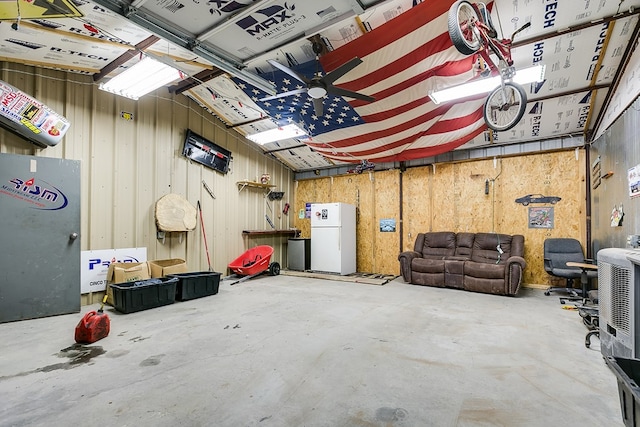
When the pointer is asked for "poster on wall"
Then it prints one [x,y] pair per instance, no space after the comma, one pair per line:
[634,181]
[541,217]
[388,225]
[617,214]
[94,266]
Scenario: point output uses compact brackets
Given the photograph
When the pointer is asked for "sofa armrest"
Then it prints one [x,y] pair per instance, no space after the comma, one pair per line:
[405,259]
[513,274]
[517,260]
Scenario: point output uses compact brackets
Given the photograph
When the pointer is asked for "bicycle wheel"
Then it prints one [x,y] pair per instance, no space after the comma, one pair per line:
[462,30]
[505,106]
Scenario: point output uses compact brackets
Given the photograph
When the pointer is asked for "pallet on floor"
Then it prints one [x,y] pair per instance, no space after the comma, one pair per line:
[367,278]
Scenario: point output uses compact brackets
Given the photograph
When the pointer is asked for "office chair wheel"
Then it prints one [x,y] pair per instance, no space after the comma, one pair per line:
[547,293]
[587,339]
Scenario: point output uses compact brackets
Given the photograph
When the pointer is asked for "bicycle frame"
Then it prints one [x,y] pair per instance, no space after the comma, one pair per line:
[500,47]
[473,33]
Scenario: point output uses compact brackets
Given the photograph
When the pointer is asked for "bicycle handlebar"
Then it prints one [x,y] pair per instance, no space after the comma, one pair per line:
[525,26]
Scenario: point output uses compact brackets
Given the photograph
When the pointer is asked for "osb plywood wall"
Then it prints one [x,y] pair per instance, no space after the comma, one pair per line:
[376,197]
[456,197]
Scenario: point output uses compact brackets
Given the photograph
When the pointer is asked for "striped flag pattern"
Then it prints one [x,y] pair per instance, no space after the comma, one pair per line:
[403,60]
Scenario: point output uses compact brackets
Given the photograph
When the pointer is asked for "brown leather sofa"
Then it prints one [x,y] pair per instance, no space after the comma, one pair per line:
[479,262]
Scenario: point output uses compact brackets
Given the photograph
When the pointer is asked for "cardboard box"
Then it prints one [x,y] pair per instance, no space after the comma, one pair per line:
[163,267]
[123,272]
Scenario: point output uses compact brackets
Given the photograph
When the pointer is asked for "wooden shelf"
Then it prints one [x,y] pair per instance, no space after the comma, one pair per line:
[289,232]
[243,184]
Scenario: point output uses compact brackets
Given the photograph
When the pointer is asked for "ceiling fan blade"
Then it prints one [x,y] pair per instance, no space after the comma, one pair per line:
[283,94]
[335,90]
[342,70]
[317,106]
[289,71]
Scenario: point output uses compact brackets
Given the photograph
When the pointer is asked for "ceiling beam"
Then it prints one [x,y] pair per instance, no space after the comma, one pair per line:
[191,82]
[72,35]
[293,147]
[626,56]
[53,65]
[113,65]
[569,92]
[594,77]
[248,122]
[578,27]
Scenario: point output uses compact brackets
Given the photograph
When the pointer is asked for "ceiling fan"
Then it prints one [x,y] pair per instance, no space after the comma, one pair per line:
[318,86]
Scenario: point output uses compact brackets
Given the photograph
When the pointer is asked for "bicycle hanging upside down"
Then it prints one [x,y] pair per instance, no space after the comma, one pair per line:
[472,32]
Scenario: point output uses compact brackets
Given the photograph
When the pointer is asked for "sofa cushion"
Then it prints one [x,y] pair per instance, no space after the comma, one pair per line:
[485,248]
[439,244]
[484,270]
[425,265]
[464,244]
[427,272]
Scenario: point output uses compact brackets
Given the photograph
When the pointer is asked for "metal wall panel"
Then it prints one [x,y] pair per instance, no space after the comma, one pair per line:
[127,165]
[619,150]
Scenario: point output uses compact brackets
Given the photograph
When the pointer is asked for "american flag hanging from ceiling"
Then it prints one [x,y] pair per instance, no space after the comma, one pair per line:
[298,108]
[403,60]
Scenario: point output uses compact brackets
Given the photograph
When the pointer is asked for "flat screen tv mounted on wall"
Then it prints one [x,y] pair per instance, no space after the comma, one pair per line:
[206,152]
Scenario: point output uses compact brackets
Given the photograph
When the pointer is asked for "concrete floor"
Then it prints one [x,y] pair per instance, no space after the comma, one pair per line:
[291,351]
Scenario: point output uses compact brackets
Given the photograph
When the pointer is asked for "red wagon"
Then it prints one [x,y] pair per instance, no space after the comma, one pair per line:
[254,262]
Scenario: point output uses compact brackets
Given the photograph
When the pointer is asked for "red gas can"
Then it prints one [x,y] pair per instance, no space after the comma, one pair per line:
[94,326]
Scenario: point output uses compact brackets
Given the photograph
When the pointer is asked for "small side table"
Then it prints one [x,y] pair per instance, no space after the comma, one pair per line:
[584,281]
[589,314]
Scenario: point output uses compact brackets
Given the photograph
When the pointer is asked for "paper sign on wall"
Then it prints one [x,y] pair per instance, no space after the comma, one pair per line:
[388,225]
[94,265]
[634,181]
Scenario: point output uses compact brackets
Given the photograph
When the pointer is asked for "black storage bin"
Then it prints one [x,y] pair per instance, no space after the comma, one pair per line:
[628,374]
[196,285]
[142,295]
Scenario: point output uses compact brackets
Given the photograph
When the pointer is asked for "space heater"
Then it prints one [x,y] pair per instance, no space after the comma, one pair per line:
[619,302]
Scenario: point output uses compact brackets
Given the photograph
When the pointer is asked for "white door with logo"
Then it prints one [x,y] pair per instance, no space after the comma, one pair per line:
[40,229]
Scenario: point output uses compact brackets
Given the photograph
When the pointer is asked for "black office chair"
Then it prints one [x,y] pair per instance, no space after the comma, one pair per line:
[559,251]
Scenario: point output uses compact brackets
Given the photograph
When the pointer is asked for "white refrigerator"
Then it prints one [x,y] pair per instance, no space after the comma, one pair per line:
[333,238]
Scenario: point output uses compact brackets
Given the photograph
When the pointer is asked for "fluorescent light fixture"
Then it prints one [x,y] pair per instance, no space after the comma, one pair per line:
[185,41]
[277,134]
[476,87]
[147,75]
